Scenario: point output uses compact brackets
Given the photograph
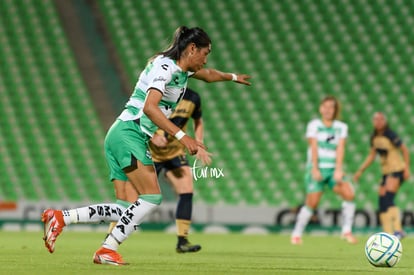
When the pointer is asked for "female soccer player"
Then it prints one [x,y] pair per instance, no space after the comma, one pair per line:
[169,156]
[159,88]
[326,138]
[395,166]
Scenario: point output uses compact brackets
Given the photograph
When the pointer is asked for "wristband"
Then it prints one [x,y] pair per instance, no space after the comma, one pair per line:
[233,77]
[179,135]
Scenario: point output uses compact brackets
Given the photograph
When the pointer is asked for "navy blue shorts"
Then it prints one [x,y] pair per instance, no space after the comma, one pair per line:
[399,175]
[171,164]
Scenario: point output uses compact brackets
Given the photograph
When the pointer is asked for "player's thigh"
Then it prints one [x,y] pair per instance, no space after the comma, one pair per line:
[119,187]
[181,179]
[131,194]
[381,188]
[392,184]
[125,143]
[144,179]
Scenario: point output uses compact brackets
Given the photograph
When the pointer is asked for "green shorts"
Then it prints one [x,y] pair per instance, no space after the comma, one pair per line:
[313,186]
[124,143]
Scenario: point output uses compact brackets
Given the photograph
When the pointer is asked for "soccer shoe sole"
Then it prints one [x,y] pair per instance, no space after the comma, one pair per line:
[101,259]
[46,219]
[188,249]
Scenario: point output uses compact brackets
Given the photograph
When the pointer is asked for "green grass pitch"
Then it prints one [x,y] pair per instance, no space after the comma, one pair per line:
[154,253]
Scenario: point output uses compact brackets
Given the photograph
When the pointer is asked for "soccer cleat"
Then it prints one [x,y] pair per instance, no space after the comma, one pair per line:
[296,240]
[187,247]
[400,234]
[53,225]
[349,238]
[107,256]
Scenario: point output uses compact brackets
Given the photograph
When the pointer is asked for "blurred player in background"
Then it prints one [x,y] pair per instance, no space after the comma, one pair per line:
[326,139]
[159,88]
[169,157]
[395,166]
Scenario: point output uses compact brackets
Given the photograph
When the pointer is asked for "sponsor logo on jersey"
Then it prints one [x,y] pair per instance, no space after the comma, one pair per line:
[160,78]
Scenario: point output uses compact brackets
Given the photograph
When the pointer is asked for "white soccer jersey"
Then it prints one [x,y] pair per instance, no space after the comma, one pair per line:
[161,74]
[328,139]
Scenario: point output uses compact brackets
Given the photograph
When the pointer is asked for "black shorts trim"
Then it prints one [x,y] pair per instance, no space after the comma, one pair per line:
[171,164]
[399,175]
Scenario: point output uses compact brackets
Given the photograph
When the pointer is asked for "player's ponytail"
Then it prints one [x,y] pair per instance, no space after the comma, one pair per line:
[183,36]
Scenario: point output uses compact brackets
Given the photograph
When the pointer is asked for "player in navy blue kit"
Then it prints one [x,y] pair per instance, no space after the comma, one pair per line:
[395,167]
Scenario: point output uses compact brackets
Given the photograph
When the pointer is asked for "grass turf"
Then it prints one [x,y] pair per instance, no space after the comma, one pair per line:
[154,253]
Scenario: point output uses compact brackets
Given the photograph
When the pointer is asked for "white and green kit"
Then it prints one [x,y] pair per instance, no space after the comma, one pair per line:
[128,136]
[328,139]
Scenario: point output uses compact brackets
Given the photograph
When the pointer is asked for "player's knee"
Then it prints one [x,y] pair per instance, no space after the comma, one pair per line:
[183,186]
[311,204]
[185,189]
[349,194]
[393,187]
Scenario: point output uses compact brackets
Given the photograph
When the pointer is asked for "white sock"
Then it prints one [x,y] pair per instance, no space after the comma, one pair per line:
[108,212]
[302,221]
[348,213]
[132,216]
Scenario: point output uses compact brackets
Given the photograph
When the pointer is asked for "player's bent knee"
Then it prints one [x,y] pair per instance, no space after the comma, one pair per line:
[185,189]
[349,197]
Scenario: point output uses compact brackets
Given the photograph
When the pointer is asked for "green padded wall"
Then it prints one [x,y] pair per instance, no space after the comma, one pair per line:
[51,141]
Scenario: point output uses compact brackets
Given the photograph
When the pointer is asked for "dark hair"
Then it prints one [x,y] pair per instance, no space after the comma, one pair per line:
[184,36]
[336,102]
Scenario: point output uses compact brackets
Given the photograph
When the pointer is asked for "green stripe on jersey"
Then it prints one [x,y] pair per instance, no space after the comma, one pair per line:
[325,145]
[140,95]
[330,130]
[326,160]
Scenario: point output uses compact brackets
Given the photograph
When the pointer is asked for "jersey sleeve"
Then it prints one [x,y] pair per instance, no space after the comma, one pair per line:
[393,137]
[344,131]
[159,76]
[311,129]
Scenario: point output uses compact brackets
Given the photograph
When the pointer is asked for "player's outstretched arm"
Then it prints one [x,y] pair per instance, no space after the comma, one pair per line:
[213,75]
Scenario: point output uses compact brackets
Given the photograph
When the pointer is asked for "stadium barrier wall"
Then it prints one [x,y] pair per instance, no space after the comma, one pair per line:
[230,216]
